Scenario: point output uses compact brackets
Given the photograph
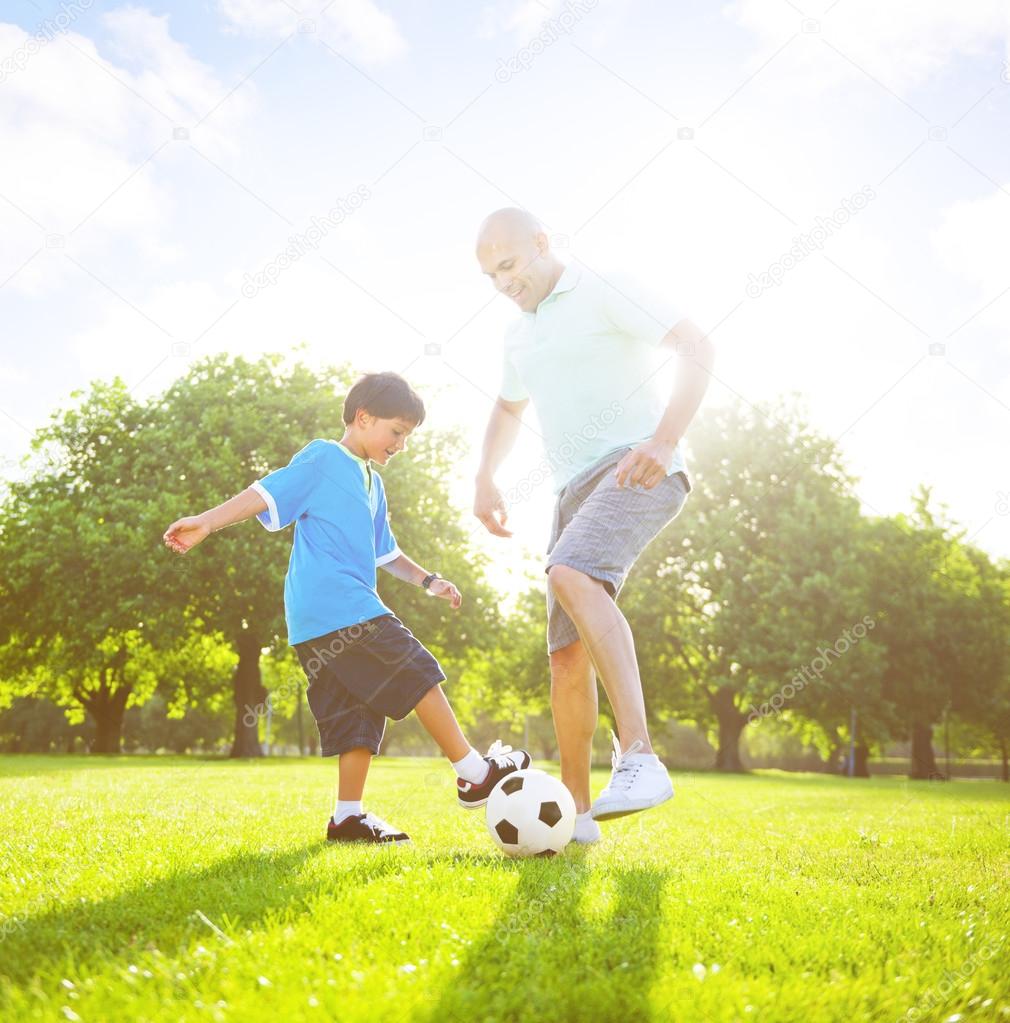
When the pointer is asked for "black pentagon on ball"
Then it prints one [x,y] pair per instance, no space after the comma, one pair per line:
[510,785]
[550,814]
[507,832]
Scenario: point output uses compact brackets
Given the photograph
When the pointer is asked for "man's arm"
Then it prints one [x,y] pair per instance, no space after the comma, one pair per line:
[499,439]
[647,463]
[186,533]
[410,571]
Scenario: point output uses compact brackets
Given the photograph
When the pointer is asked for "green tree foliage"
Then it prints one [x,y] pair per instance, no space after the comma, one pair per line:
[754,579]
[80,608]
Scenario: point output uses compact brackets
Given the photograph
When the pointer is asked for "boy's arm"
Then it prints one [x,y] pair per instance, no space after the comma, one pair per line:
[411,572]
[186,533]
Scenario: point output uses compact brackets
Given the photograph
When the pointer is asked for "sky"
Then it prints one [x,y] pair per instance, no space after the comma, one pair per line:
[823,186]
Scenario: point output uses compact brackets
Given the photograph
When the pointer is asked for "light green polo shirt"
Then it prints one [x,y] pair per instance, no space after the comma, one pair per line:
[588,359]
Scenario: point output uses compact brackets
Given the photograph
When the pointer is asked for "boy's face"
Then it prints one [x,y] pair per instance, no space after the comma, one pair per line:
[382,438]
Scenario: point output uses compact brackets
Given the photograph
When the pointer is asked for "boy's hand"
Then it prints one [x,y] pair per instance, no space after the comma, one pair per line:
[185,534]
[447,591]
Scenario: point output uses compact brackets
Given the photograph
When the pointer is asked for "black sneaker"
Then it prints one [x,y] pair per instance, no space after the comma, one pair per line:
[501,760]
[364,827]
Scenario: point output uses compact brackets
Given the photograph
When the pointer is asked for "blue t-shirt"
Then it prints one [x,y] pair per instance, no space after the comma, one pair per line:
[342,535]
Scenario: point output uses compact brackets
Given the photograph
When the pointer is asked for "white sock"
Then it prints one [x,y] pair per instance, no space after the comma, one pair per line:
[346,808]
[586,829]
[472,768]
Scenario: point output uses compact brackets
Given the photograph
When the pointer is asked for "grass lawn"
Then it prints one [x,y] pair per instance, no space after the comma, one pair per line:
[172,889]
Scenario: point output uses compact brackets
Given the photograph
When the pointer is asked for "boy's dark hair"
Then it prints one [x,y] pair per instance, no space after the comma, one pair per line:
[386,395]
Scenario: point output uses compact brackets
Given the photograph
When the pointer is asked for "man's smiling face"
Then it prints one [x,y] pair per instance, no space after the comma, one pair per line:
[515,261]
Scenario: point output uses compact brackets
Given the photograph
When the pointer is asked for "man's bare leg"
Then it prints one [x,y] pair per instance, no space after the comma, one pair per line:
[574,707]
[606,637]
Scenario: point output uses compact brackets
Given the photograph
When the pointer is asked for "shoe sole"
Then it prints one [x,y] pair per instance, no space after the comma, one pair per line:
[363,841]
[627,810]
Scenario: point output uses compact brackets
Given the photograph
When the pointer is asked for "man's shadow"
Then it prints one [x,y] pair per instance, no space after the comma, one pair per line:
[543,958]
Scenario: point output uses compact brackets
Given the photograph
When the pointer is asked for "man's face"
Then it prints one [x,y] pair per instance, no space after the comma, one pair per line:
[516,266]
[382,438]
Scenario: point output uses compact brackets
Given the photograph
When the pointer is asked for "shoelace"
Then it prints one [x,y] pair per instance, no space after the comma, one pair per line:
[377,824]
[624,771]
[496,752]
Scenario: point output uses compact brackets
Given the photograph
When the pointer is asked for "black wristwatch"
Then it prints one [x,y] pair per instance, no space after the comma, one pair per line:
[428,580]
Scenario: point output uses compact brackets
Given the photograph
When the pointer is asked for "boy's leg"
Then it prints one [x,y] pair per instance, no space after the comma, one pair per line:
[476,775]
[434,712]
[353,770]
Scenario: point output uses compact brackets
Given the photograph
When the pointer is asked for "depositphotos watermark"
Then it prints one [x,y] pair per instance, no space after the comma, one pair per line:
[563,455]
[809,241]
[814,671]
[307,241]
[949,983]
[550,32]
[44,34]
[344,638]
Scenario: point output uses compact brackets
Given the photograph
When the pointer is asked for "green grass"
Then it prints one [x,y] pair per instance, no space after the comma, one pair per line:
[171,889]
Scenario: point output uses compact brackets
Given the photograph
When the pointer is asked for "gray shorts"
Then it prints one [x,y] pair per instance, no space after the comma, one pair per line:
[600,528]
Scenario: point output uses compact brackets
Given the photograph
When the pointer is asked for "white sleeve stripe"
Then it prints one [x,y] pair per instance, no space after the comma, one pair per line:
[391,556]
[275,520]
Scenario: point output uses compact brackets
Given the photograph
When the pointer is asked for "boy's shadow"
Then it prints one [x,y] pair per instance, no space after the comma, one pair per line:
[544,959]
[174,911]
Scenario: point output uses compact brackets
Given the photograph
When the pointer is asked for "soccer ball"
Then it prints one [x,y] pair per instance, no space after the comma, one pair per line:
[529,813]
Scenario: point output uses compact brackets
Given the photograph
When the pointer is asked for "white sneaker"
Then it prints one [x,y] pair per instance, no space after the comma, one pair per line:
[638,781]
[587,831]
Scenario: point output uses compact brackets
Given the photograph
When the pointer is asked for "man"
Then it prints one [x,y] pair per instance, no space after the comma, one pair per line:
[582,349]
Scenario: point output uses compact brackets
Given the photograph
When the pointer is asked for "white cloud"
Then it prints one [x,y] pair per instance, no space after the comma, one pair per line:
[971,242]
[83,127]
[901,42]
[358,26]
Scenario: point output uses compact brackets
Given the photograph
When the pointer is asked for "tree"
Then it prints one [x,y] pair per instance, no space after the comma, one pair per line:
[745,586]
[74,608]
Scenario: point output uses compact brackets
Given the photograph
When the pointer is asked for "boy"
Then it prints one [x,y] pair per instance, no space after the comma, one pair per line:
[362,664]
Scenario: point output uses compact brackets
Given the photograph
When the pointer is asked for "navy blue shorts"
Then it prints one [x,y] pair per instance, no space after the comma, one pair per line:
[362,674]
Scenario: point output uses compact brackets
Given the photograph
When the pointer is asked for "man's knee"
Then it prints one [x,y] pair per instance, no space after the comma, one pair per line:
[571,669]
[567,581]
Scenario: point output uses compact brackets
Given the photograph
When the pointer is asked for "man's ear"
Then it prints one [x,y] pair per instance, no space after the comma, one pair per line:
[362,419]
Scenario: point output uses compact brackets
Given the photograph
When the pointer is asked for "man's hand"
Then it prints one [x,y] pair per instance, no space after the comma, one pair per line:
[447,591]
[185,534]
[646,464]
[489,507]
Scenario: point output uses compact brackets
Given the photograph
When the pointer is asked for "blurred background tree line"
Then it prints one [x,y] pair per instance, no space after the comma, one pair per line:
[776,623]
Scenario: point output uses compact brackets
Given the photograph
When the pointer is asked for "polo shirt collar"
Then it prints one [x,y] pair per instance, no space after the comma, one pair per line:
[365,466]
[568,279]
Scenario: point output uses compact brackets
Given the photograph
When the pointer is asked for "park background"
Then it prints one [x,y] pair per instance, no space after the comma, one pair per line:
[215,214]
[219,215]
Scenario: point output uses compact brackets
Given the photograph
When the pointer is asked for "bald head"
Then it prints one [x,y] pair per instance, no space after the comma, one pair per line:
[514,251]
[508,222]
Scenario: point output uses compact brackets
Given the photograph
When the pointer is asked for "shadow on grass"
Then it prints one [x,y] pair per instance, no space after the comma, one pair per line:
[234,893]
[38,765]
[543,958]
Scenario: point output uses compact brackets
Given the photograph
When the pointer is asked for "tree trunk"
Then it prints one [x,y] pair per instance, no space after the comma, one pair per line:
[862,758]
[1006,761]
[731,726]
[107,708]
[923,766]
[250,695]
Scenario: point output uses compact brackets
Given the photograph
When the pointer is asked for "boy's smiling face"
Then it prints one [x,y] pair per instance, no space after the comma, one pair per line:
[379,439]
